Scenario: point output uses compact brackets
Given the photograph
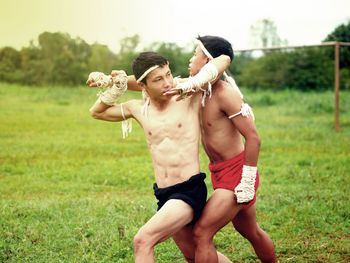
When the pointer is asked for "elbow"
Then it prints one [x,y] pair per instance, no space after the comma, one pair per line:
[254,139]
[257,140]
[226,60]
[94,114]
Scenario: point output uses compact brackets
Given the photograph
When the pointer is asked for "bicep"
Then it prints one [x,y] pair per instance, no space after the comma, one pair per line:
[118,112]
[235,109]
[230,101]
[245,125]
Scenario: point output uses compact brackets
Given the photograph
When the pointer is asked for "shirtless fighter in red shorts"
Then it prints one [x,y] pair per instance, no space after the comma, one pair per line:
[225,118]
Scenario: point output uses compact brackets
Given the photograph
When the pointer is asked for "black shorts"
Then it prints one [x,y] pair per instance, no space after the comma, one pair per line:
[193,192]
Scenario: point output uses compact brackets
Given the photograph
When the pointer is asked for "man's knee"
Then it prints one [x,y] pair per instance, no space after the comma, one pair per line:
[201,234]
[141,241]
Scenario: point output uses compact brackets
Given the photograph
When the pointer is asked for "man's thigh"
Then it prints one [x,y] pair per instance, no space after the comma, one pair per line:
[220,209]
[172,217]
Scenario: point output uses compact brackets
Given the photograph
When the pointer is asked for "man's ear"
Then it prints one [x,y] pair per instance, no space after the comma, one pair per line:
[141,85]
[143,88]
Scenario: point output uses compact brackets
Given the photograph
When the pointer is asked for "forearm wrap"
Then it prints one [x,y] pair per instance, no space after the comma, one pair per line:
[245,191]
[207,74]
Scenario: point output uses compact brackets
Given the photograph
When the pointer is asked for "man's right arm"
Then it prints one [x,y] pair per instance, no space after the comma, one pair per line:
[105,112]
[105,108]
[209,73]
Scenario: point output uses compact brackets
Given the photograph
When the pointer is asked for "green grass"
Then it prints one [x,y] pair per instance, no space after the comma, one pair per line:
[71,190]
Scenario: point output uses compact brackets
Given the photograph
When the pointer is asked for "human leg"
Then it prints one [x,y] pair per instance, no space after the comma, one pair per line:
[171,218]
[220,209]
[222,258]
[245,223]
[185,242]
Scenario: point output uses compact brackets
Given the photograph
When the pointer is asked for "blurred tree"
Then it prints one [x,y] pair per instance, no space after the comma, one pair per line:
[10,64]
[34,72]
[101,59]
[178,58]
[303,69]
[60,59]
[266,72]
[128,52]
[310,69]
[64,58]
[239,64]
[341,34]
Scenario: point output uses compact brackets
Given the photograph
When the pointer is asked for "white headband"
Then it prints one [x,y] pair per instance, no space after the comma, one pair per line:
[229,79]
[146,72]
[205,51]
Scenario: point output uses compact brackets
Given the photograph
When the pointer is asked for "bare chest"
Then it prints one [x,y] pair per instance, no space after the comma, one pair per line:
[211,114]
[172,125]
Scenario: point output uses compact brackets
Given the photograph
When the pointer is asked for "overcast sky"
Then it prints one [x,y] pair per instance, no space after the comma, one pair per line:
[179,21]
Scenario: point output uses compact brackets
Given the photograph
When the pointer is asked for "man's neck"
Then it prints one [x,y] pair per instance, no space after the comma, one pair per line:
[160,104]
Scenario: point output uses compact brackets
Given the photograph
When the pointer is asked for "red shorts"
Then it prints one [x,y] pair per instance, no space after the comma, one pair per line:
[227,175]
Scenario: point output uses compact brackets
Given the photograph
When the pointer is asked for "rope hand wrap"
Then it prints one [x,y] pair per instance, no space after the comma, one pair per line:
[100,79]
[111,89]
[245,190]
[114,86]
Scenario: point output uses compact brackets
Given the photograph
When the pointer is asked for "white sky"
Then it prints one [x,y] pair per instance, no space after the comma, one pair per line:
[108,21]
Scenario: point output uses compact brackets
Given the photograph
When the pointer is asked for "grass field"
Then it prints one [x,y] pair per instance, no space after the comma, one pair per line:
[72,190]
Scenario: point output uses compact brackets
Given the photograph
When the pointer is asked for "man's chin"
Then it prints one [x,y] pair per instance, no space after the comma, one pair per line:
[189,71]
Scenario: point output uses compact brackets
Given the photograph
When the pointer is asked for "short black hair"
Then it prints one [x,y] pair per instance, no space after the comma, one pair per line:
[217,46]
[146,60]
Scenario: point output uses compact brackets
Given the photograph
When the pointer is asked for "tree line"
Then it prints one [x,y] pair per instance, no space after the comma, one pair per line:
[59,59]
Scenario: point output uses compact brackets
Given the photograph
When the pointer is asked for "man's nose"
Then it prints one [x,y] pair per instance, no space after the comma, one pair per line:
[167,82]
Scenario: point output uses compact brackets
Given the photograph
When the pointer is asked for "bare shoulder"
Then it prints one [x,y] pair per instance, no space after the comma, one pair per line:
[229,99]
[132,105]
[196,100]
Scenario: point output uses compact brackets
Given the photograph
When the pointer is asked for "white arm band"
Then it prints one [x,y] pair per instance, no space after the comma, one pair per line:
[246,111]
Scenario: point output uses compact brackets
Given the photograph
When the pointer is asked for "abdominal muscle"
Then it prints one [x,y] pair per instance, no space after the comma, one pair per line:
[174,161]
